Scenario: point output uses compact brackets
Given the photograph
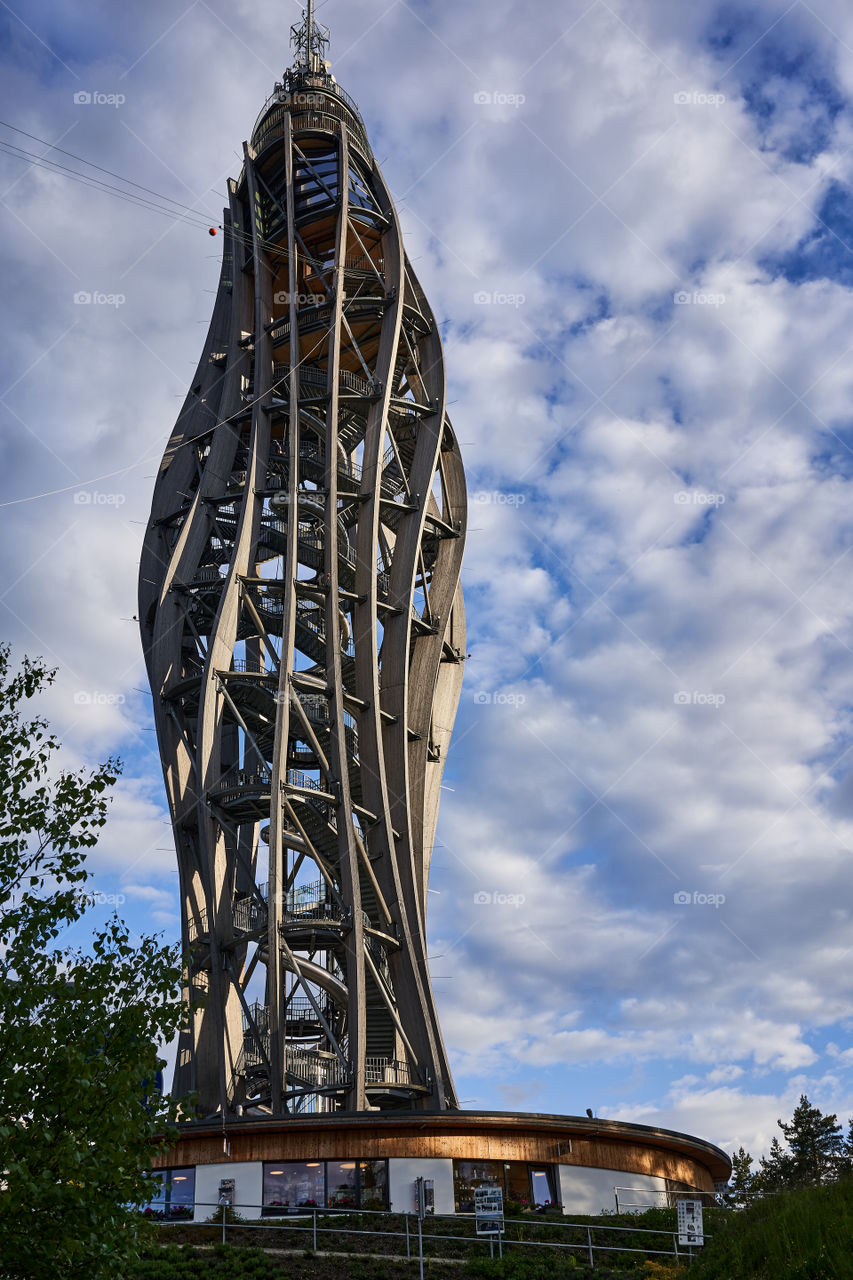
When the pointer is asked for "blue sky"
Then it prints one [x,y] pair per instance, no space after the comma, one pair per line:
[635,222]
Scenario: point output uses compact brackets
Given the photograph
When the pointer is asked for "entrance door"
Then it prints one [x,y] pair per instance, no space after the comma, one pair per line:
[540,1187]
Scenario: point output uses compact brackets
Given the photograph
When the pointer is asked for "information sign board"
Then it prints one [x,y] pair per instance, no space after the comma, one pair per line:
[690,1228]
[489,1210]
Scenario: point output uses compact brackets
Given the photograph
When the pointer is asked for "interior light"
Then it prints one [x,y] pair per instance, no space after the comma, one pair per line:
[348,1166]
[276,1173]
[182,1178]
[313,1164]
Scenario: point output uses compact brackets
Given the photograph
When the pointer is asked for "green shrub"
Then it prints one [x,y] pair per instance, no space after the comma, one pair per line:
[793,1235]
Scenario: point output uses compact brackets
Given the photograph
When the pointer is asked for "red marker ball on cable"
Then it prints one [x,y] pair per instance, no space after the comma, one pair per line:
[212,231]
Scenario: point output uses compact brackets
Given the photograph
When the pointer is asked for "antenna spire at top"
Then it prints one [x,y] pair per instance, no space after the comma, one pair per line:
[310,41]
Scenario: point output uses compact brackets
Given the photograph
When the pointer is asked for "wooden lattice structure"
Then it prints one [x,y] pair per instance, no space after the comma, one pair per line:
[304,632]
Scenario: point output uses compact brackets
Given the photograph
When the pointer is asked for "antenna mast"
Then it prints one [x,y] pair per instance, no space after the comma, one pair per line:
[309,42]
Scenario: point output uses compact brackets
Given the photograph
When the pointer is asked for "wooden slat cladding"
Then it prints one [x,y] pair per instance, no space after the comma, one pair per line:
[623,1147]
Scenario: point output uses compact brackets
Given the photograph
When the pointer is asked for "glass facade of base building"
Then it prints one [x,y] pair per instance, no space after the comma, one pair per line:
[288,1187]
[334,1184]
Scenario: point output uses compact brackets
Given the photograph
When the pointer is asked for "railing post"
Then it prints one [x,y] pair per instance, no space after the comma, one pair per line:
[421,1245]
[224,1207]
[408,1244]
[675,1243]
[314,1217]
[589,1246]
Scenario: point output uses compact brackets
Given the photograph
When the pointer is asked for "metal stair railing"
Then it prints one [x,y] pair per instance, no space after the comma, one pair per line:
[238,779]
[197,925]
[319,630]
[314,377]
[390,1071]
[296,778]
[250,666]
[311,902]
[248,914]
[313,1069]
[300,1009]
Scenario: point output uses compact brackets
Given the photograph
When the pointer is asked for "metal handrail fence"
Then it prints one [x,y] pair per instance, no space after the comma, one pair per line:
[588,1246]
[670,1198]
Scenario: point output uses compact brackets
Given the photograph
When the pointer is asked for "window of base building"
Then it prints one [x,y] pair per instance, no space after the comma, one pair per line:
[294,1185]
[291,1186]
[373,1184]
[541,1188]
[341,1181]
[174,1197]
[530,1186]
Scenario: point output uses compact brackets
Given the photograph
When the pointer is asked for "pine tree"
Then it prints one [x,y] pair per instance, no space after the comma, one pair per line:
[814,1155]
[741,1186]
[845,1160]
[775,1173]
[815,1144]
